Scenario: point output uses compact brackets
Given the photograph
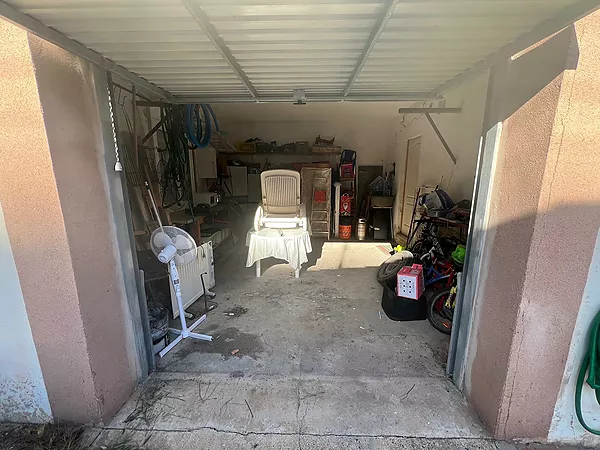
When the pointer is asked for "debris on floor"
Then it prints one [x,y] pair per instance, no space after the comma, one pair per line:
[236,311]
[62,436]
[144,409]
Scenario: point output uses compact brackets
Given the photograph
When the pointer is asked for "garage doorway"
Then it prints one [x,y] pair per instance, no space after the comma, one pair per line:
[380,370]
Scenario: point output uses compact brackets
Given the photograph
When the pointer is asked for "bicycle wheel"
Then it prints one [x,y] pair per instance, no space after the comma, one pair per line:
[448,306]
[420,247]
[435,312]
[391,266]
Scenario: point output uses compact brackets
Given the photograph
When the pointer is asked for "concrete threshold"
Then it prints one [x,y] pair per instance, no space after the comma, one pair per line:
[290,409]
[209,439]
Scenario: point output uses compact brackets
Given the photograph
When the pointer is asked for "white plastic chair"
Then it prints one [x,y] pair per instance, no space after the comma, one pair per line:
[280,207]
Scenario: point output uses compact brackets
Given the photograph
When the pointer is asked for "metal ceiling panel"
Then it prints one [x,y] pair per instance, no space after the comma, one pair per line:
[263,49]
[433,35]
[322,44]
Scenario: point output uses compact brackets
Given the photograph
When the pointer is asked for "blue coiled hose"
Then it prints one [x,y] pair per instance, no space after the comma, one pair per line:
[202,135]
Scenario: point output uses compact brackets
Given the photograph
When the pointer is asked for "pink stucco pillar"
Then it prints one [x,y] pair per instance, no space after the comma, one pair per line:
[544,214]
[53,191]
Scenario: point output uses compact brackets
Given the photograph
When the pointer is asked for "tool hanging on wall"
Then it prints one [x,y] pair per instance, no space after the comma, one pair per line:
[183,129]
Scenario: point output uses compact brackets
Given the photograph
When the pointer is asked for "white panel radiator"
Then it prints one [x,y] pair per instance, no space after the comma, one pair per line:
[189,276]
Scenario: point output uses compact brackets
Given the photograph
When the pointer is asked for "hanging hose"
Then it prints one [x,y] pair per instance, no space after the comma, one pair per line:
[201,136]
[181,126]
[173,167]
[591,363]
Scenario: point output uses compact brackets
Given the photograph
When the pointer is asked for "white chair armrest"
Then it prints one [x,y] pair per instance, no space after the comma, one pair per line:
[303,218]
[258,215]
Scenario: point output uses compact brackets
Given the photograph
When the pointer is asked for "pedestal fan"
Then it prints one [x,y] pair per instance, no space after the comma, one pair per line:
[175,247]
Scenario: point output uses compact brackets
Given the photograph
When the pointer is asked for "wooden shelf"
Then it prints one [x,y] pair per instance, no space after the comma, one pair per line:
[280,154]
[218,142]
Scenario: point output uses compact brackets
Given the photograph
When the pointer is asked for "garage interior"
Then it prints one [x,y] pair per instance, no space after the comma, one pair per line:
[401,86]
[323,337]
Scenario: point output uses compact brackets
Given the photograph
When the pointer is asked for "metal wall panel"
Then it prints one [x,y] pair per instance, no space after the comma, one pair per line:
[281,45]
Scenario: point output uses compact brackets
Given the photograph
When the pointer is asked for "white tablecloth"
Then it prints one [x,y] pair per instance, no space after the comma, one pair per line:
[292,246]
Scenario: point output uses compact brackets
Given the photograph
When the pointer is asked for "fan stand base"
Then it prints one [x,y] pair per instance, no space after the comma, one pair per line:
[184,334]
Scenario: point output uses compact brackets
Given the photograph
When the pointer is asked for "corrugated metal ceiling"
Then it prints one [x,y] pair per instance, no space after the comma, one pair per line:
[321,46]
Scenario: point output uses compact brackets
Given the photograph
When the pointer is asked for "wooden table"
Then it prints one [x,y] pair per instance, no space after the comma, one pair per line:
[182,217]
[291,245]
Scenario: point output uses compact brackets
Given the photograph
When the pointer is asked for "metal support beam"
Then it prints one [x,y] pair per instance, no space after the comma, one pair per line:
[386,13]
[156,127]
[136,150]
[439,135]
[126,89]
[429,110]
[203,20]
[36,27]
[406,97]
[153,104]
[563,19]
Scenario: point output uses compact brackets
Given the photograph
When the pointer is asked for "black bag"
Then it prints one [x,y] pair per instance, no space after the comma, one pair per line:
[400,308]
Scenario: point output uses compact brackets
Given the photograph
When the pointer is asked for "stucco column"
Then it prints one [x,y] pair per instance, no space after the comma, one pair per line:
[544,215]
[57,209]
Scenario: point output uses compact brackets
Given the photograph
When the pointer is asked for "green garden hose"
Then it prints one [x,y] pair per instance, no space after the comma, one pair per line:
[590,362]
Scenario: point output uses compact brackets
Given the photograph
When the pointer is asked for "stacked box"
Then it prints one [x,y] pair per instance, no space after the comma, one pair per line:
[410,282]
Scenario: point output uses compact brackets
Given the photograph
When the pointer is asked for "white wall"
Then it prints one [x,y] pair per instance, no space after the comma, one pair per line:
[23,396]
[377,132]
[366,128]
[461,131]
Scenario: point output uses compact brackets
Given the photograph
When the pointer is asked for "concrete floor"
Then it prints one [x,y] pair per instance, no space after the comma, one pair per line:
[303,363]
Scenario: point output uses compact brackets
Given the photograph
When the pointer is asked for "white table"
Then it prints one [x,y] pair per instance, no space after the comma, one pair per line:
[291,245]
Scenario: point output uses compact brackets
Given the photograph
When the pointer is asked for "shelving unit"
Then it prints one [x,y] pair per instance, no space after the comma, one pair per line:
[283,159]
[349,187]
[282,154]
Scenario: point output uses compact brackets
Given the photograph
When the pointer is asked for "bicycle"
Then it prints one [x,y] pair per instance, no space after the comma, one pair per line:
[440,310]
[434,269]
[441,276]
